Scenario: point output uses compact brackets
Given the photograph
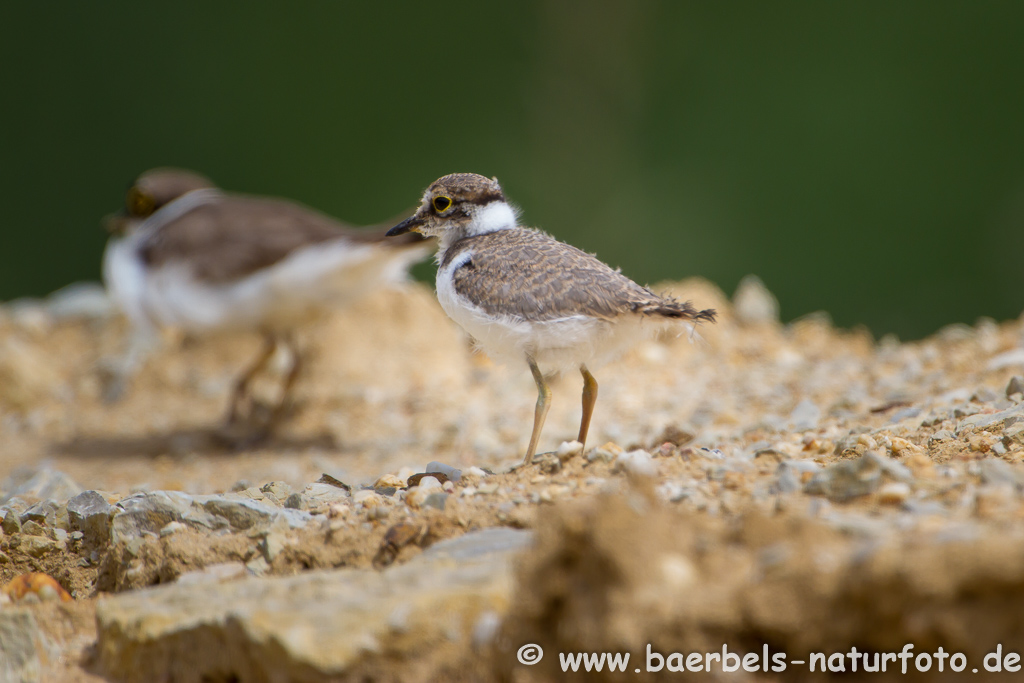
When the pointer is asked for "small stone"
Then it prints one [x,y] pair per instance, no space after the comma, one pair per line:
[1015,388]
[10,523]
[333,481]
[389,481]
[1014,435]
[429,483]
[997,471]
[38,546]
[436,499]
[416,497]
[90,513]
[569,449]
[34,528]
[43,485]
[297,501]
[984,395]
[852,478]
[488,488]
[277,491]
[638,462]
[805,416]
[172,528]
[415,479]
[606,453]
[367,498]
[448,471]
[753,303]
[894,493]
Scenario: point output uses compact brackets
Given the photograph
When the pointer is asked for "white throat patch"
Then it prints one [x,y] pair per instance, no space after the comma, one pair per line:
[491,218]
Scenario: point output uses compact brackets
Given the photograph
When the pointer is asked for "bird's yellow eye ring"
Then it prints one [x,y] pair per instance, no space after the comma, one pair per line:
[442,203]
[139,203]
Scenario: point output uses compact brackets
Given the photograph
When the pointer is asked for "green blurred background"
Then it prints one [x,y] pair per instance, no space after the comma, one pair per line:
[865,158]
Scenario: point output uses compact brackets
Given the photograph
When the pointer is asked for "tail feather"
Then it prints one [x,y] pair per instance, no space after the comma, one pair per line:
[682,310]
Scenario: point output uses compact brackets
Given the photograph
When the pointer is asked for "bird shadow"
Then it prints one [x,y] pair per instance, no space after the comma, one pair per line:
[210,441]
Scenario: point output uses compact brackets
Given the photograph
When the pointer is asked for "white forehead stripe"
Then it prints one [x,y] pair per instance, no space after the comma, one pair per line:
[493,217]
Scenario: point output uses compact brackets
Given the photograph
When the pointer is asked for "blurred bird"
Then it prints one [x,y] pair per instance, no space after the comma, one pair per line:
[185,254]
[525,296]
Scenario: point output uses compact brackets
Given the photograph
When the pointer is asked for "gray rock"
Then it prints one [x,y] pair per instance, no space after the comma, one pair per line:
[805,416]
[1015,386]
[436,500]
[318,495]
[311,627]
[1014,435]
[984,395]
[452,473]
[145,513]
[24,649]
[996,471]
[37,546]
[33,528]
[277,491]
[10,522]
[789,475]
[43,484]
[90,513]
[852,478]
[983,420]
[44,513]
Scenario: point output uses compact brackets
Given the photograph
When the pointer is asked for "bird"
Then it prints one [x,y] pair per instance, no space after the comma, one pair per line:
[185,254]
[524,296]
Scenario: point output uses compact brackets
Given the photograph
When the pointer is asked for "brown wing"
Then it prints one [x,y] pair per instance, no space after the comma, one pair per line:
[526,274]
[238,235]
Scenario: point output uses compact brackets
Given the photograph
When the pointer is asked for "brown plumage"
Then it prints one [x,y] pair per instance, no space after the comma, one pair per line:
[235,235]
[526,274]
[521,293]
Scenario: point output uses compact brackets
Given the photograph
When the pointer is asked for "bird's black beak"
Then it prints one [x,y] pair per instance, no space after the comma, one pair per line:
[408,225]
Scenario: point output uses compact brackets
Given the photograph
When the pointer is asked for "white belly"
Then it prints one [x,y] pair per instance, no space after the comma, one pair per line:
[557,345]
[303,284]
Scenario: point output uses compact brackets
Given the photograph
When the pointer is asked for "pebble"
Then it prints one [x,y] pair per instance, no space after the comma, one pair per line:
[852,478]
[367,498]
[448,471]
[1015,387]
[41,485]
[569,449]
[638,462]
[753,303]
[894,493]
[90,514]
[805,416]
[389,481]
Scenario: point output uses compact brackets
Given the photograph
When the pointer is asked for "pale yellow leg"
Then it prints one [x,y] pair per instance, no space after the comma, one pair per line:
[589,399]
[541,413]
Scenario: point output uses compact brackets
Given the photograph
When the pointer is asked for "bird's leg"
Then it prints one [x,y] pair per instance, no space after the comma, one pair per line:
[541,413]
[241,391]
[288,342]
[589,399]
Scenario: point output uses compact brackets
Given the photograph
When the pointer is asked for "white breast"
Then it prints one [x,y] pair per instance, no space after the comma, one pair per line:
[306,282]
[557,345]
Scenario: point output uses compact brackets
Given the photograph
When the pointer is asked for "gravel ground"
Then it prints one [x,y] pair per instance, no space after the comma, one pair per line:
[796,487]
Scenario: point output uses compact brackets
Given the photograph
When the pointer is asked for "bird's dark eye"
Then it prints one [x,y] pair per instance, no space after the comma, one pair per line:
[442,203]
[139,203]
